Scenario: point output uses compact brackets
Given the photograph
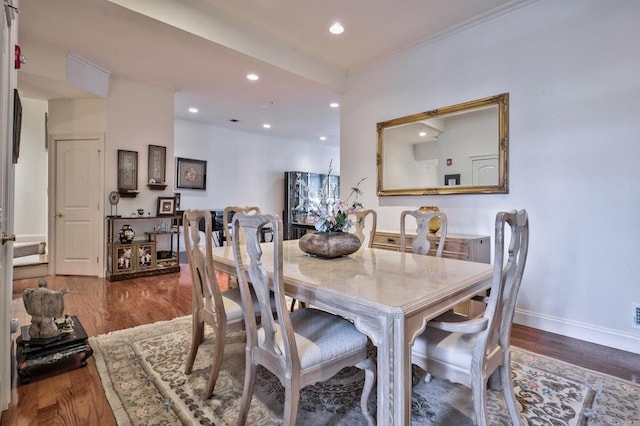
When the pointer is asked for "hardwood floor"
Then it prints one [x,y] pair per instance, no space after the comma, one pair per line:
[74,396]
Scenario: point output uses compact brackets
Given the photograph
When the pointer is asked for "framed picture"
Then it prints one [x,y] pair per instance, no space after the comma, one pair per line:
[124,259]
[192,174]
[145,256]
[452,180]
[166,206]
[177,196]
[156,172]
[127,170]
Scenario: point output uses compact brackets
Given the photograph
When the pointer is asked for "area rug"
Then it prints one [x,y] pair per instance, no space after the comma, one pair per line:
[142,374]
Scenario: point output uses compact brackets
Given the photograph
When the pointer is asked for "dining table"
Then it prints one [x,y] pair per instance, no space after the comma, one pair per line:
[389,295]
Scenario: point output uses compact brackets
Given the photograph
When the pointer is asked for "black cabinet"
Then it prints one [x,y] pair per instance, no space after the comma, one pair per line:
[301,191]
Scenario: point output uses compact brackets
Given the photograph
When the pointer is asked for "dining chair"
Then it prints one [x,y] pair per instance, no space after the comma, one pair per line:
[220,310]
[300,348]
[360,224]
[421,244]
[475,351]
[229,210]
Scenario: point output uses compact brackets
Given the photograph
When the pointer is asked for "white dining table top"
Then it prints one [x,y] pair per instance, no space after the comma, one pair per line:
[386,280]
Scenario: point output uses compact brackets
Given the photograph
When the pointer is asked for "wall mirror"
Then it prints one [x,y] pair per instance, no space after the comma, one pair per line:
[458,149]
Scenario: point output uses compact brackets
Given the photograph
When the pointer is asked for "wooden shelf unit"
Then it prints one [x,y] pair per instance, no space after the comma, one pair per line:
[141,257]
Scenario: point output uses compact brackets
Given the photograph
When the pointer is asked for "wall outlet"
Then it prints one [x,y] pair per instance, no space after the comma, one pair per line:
[14,325]
[636,315]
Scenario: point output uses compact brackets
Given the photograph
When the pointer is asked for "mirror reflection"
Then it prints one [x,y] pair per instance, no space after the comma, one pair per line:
[457,149]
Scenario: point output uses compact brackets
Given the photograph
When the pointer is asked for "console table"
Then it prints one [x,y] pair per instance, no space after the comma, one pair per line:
[142,257]
[475,248]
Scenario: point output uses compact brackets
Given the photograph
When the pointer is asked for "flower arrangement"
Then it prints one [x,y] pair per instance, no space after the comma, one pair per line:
[330,213]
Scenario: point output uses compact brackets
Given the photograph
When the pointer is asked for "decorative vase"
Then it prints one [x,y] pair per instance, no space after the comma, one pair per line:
[329,244]
[126,234]
[435,223]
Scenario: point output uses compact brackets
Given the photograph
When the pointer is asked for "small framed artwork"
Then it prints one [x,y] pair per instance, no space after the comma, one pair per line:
[124,259]
[166,206]
[157,164]
[177,196]
[127,170]
[192,174]
[452,180]
[146,256]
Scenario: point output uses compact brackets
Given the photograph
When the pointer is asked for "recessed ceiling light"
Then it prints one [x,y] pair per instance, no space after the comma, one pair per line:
[334,105]
[323,138]
[193,110]
[422,134]
[252,77]
[266,125]
[336,28]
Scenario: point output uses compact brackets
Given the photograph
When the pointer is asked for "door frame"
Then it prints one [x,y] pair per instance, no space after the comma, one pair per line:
[8,81]
[51,222]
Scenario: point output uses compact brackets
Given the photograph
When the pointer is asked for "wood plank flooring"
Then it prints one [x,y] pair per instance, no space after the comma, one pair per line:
[74,396]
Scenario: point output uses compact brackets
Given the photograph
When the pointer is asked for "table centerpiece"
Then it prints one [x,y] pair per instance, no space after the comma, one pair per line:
[331,221]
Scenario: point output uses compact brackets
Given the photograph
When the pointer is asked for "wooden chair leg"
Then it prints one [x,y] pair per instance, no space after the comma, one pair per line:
[479,393]
[369,367]
[247,391]
[291,400]
[216,362]
[509,396]
[197,337]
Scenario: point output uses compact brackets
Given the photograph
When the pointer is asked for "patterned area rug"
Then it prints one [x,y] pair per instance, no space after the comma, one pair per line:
[142,374]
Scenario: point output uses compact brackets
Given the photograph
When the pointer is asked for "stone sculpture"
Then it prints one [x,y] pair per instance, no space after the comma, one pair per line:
[44,306]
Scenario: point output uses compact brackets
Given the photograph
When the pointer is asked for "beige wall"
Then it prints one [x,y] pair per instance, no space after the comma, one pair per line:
[138,116]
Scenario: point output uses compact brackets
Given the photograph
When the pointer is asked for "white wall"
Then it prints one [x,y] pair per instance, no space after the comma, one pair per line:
[30,208]
[243,168]
[138,116]
[571,69]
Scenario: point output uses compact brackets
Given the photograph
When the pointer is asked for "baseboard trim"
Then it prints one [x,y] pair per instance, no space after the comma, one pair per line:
[577,330]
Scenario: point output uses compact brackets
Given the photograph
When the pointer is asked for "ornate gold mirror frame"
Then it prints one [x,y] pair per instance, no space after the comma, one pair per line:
[458,149]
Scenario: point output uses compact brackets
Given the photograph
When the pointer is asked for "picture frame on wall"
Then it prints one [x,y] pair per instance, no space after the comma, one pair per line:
[157,167]
[191,174]
[166,206]
[127,170]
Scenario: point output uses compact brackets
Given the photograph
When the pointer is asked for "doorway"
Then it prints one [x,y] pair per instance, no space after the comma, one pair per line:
[76,185]
[484,170]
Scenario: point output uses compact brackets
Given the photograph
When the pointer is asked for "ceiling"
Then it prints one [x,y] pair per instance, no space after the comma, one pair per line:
[203,49]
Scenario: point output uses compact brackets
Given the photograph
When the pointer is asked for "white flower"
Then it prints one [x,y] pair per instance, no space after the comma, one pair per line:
[331,213]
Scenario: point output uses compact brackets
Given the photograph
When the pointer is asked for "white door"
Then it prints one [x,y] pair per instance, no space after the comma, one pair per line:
[484,170]
[8,35]
[77,210]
